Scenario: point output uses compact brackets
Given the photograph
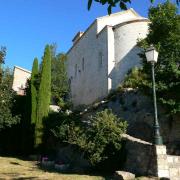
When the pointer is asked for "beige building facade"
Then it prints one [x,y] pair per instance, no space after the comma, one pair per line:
[20,77]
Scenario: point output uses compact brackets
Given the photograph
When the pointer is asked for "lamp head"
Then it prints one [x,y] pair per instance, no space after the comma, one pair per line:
[151,54]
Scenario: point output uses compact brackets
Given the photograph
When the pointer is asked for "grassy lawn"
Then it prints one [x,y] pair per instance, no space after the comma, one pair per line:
[13,168]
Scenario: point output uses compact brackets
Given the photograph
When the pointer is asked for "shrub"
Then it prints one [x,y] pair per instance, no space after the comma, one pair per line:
[57,127]
[136,78]
[100,140]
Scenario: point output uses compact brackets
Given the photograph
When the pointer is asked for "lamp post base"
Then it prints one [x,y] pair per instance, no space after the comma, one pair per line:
[158,140]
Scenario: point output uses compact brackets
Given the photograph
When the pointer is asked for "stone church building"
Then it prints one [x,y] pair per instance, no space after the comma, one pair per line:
[101,56]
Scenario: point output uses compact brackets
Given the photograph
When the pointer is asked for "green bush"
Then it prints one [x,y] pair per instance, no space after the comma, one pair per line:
[55,129]
[136,78]
[63,126]
[99,139]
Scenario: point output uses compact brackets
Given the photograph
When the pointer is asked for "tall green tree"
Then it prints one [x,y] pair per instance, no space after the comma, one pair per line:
[6,94]
[34,91]
[113,3]
[7,97]
[59,81]
[44,95]
[164,34]
[59,86]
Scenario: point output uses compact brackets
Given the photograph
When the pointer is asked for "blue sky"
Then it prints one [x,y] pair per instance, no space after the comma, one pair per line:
[28,25]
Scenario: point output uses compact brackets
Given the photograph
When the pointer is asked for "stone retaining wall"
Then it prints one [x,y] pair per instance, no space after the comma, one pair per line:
[146,159]
[174,166]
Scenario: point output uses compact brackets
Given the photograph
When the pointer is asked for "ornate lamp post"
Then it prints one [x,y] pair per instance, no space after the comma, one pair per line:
[152,56]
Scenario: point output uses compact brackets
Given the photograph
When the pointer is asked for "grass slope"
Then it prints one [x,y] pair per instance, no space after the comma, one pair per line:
[16,169]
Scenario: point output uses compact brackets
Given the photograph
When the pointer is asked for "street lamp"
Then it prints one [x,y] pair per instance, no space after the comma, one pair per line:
[152,56]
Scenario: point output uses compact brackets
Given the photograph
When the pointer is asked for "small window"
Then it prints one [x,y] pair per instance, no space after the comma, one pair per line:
[69,82]
[100,59]
[83,64]
[76,70]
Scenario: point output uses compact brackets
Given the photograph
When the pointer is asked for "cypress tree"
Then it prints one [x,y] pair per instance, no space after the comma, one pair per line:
[34,91]
[44,95]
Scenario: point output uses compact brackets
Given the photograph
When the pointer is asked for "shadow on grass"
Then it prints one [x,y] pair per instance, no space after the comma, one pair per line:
[16,176]
[21,178]
[105,175]
[15,163]
[37,165]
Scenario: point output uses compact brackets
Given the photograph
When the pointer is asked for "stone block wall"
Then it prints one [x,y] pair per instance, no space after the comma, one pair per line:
[137,110]
[161,161]
[144,159]
[174,167]
[139,157]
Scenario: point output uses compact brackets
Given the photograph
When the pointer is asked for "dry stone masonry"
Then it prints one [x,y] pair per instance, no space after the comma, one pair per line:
[144,159]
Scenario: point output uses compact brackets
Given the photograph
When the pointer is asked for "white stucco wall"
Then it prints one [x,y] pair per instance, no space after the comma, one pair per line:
[126,51]
[116,43]
[116,18]
[91,83]
[111,55]
[20,77]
